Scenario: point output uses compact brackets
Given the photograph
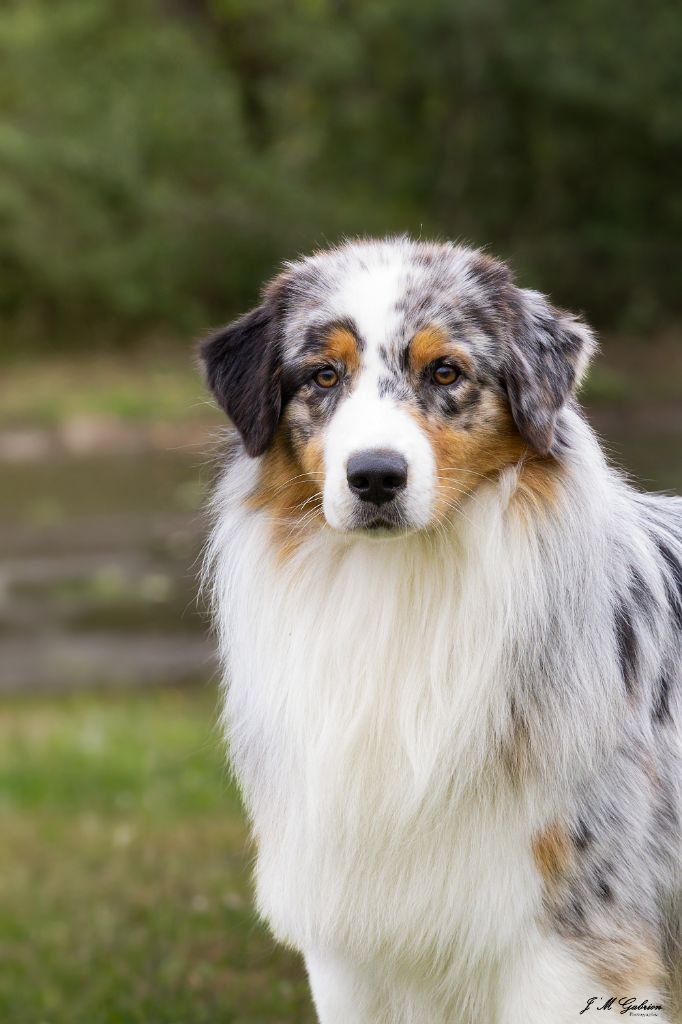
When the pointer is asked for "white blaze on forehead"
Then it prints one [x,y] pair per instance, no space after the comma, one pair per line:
[369,296]
[365,420]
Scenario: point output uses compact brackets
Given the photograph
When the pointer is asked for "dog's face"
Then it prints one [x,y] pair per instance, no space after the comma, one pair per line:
[383,381]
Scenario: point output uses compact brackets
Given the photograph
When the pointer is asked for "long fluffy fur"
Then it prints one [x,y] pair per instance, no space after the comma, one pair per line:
[461,750]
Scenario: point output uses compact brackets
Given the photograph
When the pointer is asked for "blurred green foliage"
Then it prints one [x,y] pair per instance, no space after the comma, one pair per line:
[158,158]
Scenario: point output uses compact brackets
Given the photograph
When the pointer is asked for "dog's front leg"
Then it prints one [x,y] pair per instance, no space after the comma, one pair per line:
[342,991]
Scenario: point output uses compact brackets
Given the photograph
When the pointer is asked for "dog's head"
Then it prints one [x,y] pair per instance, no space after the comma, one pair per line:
[383,381]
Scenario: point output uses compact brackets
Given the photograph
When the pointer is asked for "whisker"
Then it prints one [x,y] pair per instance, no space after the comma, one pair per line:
[293,479]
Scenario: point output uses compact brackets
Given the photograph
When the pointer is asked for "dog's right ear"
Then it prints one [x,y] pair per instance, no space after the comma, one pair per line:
[242,367]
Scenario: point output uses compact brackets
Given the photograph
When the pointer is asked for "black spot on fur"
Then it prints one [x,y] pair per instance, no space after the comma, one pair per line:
[603,889]
[626,640]
[583,835]
[661,707]
[673,580]
[641,592]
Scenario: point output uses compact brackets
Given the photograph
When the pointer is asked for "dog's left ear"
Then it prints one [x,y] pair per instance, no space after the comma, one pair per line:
[548,354]
[242,366]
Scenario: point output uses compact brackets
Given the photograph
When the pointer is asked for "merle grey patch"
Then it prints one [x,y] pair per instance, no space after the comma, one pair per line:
[392,386]
[611,884]
[302,422]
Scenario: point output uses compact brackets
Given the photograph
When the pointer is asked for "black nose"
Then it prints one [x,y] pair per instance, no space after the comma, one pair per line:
[376,475]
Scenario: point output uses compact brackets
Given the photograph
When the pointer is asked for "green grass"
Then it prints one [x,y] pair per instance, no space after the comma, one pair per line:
[124,870]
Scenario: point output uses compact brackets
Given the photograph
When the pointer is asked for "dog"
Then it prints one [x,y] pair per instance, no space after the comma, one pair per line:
[452,645]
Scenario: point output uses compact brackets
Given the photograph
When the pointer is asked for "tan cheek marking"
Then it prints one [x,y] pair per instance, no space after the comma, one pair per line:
[552,853]
[466,458]
[312,458]
[453,451]
[290,497]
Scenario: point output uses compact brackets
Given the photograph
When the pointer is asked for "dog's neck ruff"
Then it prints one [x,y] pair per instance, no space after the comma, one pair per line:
[375,687]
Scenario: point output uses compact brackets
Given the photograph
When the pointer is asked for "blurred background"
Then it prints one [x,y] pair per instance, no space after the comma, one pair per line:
[158,159]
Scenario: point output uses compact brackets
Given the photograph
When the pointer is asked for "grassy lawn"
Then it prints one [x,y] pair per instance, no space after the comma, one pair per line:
[124,870]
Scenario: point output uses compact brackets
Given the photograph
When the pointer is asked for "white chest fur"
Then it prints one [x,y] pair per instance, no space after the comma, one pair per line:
[366,689]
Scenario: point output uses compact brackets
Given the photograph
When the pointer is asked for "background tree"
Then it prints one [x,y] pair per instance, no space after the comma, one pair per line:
[157,160]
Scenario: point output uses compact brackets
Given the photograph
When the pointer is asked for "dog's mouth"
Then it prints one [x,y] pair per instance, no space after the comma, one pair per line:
[380,524]
[386,520]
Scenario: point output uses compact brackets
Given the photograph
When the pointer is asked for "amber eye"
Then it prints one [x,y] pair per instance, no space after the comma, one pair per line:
[327,377]
[444,375]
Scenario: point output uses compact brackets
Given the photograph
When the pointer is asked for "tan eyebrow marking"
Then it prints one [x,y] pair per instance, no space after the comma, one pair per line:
[341,346]
[431,343]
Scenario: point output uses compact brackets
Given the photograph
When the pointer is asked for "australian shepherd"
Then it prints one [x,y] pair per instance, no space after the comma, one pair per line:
[452,646]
